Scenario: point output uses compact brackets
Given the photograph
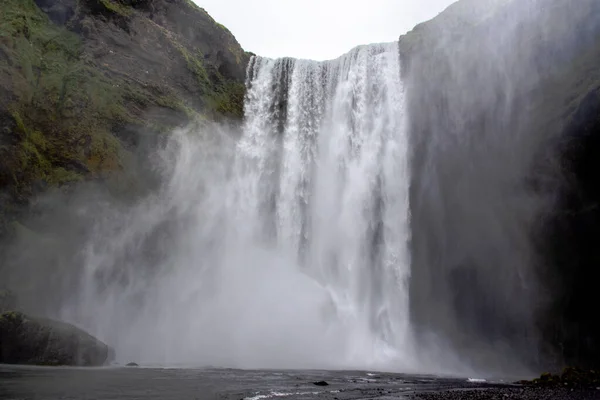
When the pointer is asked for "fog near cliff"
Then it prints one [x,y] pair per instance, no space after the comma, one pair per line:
[486,173]
[154,279]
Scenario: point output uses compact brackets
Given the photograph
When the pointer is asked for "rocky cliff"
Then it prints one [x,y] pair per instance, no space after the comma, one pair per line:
[84,84]
[503,99]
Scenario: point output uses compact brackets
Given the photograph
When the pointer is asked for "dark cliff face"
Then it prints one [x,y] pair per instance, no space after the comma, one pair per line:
[503,109]
[86,84]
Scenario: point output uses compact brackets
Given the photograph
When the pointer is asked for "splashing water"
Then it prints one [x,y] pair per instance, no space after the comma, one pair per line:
[285,248]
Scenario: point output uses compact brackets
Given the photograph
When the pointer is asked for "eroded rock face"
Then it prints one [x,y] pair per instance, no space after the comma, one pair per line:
[503,106]
[39,341]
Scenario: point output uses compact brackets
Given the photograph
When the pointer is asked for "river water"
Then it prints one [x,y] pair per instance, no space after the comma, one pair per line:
[20,383]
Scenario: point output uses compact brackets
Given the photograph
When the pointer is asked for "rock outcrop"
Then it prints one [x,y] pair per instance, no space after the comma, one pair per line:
[569,378]
[40,341]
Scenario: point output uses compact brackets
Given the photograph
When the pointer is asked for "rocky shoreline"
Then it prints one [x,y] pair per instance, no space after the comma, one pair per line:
[515,393]
[572,383]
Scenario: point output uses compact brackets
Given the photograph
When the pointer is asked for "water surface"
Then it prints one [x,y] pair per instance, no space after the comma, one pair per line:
[22,383]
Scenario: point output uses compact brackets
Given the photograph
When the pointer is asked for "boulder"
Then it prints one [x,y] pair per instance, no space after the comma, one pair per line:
[40,341]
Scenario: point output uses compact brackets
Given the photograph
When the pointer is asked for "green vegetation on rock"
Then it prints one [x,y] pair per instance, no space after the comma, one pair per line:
[570,377]
[117,7]
[76,95]
[63,107]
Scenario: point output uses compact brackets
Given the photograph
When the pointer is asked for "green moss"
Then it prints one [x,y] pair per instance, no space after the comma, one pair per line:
[11,317]
[19,121]
[171,102]
[61,176]
[195,65]
[65,108]
[222,27]
[68,110]
[117,7]
[33,162]
[104,153]
[228,100]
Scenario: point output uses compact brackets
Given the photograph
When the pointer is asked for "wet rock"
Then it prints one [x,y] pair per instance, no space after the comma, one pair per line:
[529,393]
[40,341]
[321,383]
[570,377]
[579,377]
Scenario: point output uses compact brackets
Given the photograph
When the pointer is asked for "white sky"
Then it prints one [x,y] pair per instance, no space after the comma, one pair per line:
[318,29]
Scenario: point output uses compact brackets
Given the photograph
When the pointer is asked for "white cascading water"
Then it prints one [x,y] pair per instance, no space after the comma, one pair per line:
[284,248]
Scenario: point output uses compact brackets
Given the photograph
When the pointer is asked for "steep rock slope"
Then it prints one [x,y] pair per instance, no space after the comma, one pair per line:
[504,119]
[85,83]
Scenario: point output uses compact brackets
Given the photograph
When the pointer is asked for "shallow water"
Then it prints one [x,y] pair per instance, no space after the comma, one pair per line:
[22,383]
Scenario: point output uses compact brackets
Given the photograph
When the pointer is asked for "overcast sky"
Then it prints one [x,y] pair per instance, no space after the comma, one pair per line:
[318,29]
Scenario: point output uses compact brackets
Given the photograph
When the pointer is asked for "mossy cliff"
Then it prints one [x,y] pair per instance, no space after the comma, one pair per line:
[83,83]
[504,108]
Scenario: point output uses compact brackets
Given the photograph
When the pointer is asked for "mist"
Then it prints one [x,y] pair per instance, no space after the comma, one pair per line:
[272,249]
[153,276]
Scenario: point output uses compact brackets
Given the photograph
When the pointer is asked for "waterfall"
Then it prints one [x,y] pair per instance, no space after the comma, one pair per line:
[323,162]
[284,248]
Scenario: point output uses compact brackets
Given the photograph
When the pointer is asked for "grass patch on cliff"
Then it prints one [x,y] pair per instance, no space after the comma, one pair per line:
[115,6]
[73,115]
[228,100]
[33,157]
[195,65]
[62,104]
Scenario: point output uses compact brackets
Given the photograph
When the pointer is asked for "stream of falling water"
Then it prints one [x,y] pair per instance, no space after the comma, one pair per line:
[285,248]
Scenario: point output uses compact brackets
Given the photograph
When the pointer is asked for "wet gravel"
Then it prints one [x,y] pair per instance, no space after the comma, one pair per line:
[512,393]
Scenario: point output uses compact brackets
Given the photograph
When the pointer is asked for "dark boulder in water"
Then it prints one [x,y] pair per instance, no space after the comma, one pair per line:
[321,383]
[40,341]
